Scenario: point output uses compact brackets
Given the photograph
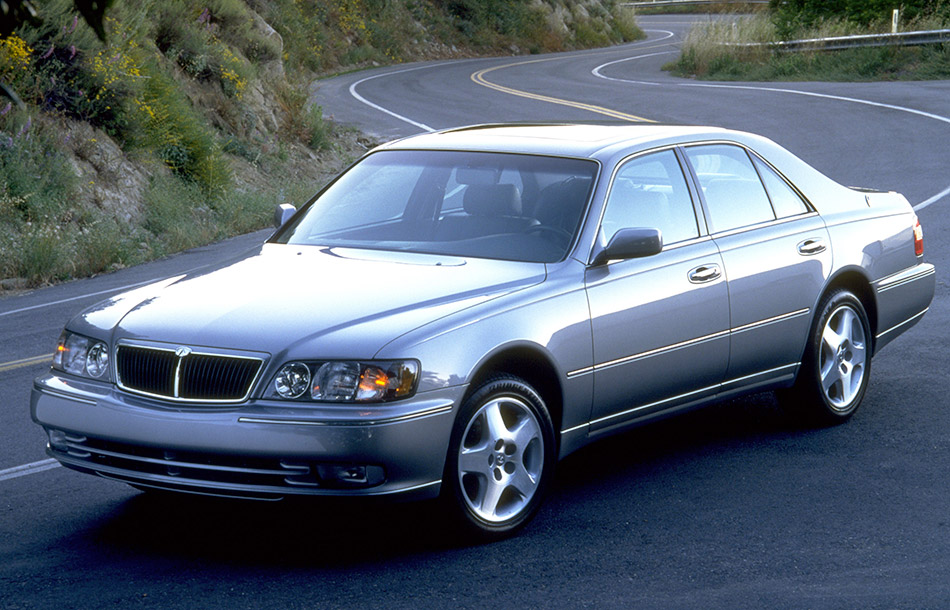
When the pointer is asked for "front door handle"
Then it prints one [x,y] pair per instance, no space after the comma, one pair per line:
[811,246]
[704,273]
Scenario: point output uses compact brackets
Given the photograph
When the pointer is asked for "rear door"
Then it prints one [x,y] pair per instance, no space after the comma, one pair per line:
[777,255]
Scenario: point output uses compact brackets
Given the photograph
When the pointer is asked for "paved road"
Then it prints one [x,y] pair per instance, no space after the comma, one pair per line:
[730,507]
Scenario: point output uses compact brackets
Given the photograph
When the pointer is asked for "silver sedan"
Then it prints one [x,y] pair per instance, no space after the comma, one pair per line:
[459,310]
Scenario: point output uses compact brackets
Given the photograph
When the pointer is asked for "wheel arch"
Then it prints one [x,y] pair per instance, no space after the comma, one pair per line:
[855,281]
[535,366]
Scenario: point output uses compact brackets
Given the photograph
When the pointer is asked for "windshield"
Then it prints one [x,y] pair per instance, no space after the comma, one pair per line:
[487,205]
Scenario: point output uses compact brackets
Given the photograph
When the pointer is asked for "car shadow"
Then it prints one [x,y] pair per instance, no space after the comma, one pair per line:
[719,428]
[333,533]
[297,532]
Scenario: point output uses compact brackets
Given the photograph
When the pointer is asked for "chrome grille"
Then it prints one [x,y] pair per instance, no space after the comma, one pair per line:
[185,375]
[146,370]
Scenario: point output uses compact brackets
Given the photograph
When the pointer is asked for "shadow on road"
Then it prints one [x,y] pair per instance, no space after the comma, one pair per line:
[600,480]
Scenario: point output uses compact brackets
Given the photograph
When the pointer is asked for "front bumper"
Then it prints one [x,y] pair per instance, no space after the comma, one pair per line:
[258,449]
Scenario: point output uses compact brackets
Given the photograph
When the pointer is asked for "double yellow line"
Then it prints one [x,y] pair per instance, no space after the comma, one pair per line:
[16,364]
[479,78]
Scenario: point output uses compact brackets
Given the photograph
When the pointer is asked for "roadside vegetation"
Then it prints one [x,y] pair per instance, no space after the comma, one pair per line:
[726,6]
[736,49]
[190,121]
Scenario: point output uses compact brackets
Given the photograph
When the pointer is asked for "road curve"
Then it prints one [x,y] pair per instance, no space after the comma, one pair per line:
[895,130]
[729,507]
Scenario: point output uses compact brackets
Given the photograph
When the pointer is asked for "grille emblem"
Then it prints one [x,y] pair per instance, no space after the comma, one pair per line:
[182,351]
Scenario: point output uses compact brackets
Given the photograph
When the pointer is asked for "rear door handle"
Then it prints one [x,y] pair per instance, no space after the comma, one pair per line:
[704,273]
[810,247]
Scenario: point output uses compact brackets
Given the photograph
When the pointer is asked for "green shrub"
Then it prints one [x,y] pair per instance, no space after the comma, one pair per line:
[73,73]
[717,45]
[102,244]
[44,254]
[792,17]
[177,215]
[198,40]
[171,127]
[34,173]
[139,85]
[625,26]
[301,25]
[710,52]
[239,213]
[320,130]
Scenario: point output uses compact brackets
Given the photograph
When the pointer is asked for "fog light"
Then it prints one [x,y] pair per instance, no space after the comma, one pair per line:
[344,474]
[350,475]
[57,440]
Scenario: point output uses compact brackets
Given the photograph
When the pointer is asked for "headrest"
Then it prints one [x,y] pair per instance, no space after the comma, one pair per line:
[492,200]
[650,199]
[561,203]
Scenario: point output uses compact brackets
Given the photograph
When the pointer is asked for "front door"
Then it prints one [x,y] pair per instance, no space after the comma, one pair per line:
[660,324]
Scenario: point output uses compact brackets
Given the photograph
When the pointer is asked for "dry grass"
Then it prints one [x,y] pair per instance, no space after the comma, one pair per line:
[733,49]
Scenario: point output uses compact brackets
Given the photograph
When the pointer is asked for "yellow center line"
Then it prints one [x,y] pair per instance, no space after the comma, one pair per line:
[479,78]
[16,364]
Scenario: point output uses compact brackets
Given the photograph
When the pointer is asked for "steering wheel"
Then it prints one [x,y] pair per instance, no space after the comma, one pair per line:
[556,232]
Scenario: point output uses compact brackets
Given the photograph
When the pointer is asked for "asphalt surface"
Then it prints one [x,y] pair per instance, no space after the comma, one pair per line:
[730,507]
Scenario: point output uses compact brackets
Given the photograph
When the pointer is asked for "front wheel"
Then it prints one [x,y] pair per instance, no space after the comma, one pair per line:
[500,459]
[837,363]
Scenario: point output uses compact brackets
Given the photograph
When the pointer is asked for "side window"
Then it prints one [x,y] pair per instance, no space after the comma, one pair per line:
[650,191]
[785,201]
[734,194]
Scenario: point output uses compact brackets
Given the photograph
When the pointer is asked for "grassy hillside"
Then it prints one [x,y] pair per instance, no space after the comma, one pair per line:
[190,122]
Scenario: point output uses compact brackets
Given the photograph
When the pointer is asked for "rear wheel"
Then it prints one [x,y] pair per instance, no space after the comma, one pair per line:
[500,459]
[837,363]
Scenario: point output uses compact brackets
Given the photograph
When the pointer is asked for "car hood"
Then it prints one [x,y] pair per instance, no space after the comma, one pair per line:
[296,299]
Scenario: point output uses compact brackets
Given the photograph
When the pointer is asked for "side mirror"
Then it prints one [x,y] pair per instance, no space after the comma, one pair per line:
[283,213]
[630,243]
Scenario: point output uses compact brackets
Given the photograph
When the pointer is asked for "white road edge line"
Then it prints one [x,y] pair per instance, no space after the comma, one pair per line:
[597,72]
[423,126]
[362,99]
[36,467]
[25,469]
[82,296]
[101,292]
[933,199]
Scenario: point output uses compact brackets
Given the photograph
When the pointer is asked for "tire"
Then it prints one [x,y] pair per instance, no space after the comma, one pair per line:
[501,459]
[836,366]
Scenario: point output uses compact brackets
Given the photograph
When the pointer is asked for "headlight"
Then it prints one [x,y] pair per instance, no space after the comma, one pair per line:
[345,381]
[292,380]
[81,356]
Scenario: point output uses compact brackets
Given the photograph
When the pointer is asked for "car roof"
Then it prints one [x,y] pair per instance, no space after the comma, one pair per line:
[611,143]
[573,140]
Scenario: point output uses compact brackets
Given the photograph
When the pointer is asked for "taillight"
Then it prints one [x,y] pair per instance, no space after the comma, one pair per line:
[918,239]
